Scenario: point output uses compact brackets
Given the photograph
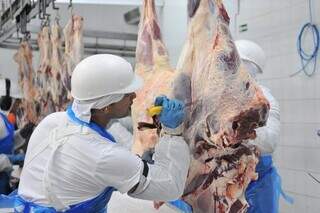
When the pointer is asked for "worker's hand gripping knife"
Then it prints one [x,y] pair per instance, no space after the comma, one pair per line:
[170,114]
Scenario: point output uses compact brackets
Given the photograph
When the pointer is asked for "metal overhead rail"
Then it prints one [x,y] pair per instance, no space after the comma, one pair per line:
[89,48]
[110,35]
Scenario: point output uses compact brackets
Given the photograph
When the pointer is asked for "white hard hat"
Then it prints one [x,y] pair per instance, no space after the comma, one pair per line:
[101,75]
[15,91]
[252,52]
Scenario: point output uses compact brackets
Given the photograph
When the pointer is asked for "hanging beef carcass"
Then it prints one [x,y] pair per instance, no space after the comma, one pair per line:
[152,64]
[58,91]
[26,73]
[73,49]
[44,69]
[44,74]
[227,105]
[27,109]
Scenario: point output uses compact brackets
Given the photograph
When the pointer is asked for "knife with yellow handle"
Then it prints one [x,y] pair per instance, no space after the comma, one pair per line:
[156,110]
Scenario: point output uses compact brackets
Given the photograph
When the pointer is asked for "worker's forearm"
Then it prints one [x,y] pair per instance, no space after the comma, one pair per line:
[167,177]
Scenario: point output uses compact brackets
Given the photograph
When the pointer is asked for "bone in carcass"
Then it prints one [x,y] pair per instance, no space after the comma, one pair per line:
[152,64]
[73,49]
[26,111]
[58,91]
[227,105]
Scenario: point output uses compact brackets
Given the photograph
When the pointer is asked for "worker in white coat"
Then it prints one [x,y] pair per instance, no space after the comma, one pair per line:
[9,138]
[73,164]
[263,194]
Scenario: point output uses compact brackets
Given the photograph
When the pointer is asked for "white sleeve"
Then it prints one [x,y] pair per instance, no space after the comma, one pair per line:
[119,168]
[166,179]
[167,176]
[269,136]
[5,164]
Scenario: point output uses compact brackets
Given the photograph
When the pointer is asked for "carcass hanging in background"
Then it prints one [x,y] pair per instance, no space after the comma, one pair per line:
[47,89]
[27,109]
[73,53]
[57,89]
[44,74]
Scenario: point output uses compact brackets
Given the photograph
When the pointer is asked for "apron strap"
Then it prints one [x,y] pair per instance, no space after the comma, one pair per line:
[61,132]
[47,184]
[57,137]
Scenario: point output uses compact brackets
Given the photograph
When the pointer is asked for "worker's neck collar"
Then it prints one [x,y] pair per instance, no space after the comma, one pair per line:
[92,125]
[100,117]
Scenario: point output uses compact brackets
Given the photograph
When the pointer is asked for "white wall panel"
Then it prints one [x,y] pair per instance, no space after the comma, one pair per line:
[300,111]
[174,27]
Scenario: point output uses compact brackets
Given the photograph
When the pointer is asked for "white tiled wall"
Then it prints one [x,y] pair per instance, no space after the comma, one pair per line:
[275,24]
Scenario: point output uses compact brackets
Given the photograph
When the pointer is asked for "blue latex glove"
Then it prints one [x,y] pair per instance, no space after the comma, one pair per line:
[16,159]
[172,114]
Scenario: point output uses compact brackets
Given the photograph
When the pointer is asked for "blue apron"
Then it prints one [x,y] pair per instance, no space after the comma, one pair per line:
[6,144]
[95,205]
[263,194]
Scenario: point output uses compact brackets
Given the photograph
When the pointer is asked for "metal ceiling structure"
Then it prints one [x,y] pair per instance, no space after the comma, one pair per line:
[16,14]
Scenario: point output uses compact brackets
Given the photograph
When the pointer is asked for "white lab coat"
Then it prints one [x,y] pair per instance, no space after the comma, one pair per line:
[268,136]
[85,164]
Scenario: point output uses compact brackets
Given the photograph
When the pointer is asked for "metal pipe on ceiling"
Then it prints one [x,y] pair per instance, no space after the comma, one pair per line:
[89,48]
[159,3]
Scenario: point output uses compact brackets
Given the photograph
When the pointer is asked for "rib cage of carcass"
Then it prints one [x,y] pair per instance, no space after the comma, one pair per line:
[46,90]
[225,106]
[152,64]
